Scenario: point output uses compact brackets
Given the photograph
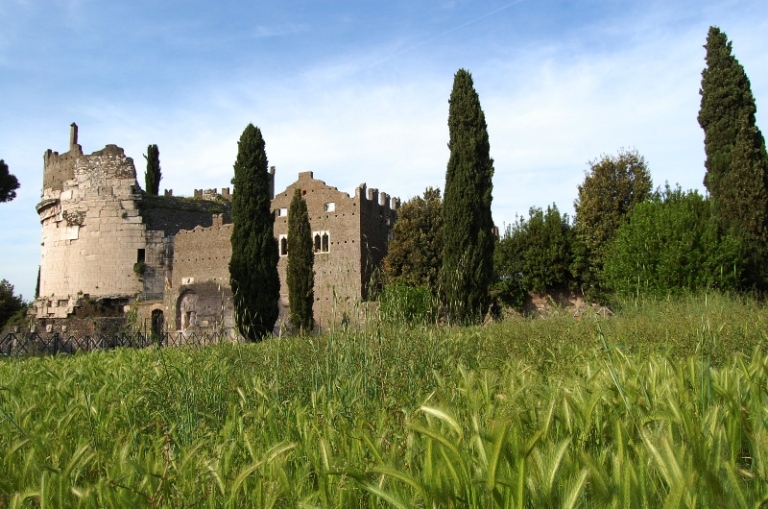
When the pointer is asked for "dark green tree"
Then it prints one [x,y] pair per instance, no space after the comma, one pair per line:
[301,260]
[8,183]
[669,245]
[153,175]
[468,242]
[10,304]
[737,163]
[253,266]
[611,188]
[414,256]
[537,251]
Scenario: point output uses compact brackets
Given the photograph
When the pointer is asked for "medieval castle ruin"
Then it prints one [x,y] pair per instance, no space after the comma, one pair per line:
[110,251]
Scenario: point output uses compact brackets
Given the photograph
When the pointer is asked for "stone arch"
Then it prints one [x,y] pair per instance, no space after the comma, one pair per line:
[186,310]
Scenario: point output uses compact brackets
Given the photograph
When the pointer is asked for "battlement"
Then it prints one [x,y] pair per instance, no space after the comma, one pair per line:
[373,195]
[211,194]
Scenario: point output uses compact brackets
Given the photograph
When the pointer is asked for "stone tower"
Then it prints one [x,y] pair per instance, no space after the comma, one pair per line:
[93,239]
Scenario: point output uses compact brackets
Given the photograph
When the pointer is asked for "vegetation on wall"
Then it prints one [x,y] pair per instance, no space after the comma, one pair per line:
[153,174]
[468,243]
[300,274]
[414,255]
[253,266]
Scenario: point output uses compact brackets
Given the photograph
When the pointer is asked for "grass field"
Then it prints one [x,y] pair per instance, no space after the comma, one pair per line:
[663,405]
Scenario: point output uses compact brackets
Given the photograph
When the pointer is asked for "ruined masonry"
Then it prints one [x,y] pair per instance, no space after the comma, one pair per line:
[111,253]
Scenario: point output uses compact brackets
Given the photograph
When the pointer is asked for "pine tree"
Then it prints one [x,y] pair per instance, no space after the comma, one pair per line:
[153,175]
[253,266]
[8,183]
[737,163]
[301,259]
[468,242]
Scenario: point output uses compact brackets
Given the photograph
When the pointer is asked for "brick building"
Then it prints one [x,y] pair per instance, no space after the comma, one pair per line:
[165,260]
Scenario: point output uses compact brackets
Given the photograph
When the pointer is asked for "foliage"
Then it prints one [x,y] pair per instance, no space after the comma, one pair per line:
[415,252]
[537,251]
[253,266]
[153,174]
[524,413]
[10,304]
[406,304]
[468,243]
[611,188]
[139,268]
[8,183]
[671,244]
[300,275]
[737,162]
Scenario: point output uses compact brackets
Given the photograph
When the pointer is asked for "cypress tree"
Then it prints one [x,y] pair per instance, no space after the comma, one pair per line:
[468,240]
[301,260]
[253,266]
[153,175]
[736,159]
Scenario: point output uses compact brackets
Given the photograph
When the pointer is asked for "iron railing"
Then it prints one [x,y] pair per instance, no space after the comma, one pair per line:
[18,344]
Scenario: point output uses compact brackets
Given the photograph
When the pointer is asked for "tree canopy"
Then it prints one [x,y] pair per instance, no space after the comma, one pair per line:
[669,245]
[537,251]
[415,252]
[611,188]
[8,183]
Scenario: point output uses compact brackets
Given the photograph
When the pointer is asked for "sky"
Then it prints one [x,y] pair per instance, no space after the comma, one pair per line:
[357,91]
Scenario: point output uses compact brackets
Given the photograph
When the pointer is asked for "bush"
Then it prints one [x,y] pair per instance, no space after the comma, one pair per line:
[671,245]
[412,305]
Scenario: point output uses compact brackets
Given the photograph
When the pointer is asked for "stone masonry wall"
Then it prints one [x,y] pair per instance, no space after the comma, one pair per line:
[91,234]
[201,277]
[337,269]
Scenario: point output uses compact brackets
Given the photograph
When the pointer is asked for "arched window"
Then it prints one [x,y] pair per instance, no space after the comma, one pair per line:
[325,242]
[317,242]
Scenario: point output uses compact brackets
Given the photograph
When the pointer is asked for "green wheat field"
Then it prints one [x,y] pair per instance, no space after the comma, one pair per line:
[663,405]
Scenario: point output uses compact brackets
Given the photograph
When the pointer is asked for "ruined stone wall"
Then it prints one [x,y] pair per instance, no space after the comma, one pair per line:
[199,298]
[91,235]
[102,238]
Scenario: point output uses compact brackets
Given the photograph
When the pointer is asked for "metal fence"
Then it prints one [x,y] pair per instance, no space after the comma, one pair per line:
[17,344]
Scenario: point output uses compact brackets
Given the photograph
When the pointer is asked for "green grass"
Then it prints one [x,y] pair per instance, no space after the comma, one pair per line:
[663,405]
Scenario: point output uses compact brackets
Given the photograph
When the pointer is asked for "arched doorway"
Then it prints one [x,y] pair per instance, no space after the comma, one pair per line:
[186,311]
[158,323]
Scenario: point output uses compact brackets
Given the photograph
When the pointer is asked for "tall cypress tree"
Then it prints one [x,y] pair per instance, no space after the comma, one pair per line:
[468,239]
[253,266]
[153,175]
[737,163]
[301,260]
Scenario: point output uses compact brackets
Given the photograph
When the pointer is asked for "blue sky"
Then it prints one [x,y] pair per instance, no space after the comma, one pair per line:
[357,91]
